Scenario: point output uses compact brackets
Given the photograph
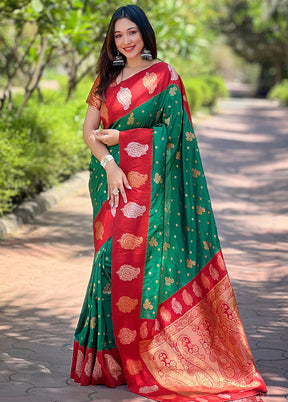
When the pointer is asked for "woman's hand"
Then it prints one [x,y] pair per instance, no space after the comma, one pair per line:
[108,137]
[116,180]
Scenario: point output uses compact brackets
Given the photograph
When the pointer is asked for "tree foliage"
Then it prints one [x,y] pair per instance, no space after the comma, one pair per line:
[38,34]
[257,30]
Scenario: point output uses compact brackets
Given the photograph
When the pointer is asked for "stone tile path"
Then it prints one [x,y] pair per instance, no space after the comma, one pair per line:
[45,266]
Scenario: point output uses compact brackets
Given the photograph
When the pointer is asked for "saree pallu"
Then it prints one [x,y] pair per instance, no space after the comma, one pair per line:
[159,312]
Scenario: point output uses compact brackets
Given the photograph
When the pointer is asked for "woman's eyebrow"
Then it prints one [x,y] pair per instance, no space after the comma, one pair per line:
[127,29]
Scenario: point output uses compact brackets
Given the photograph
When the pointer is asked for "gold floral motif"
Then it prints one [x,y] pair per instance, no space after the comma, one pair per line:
[98,230]
[178,155]
[190,263]
[173,91]
[168,281]
[132,210]
[158,179]
[107,289]
[200,210]
[205,281]
[148,389]
[170,146]
[153,242]
[93,322]
[147,305]
[126,304]
[187,298]
[165,314]
[166,246]
[89,365]
[190,136]
[131,119]
[176,306]
[97,371]
[128,273]
[124,97]
[150,82]
[129,241]
[136,150]
[127,336]
[79,363]
[136,179]
[213,272]
[220,262]
[144,330]
[113,367]
[195,173]
[196,289]
[207,245]
[134,367]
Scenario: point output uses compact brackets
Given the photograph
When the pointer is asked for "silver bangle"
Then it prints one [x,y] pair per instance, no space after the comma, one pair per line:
[105,160]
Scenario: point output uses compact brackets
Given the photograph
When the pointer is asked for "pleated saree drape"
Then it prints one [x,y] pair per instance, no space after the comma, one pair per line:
[159,312]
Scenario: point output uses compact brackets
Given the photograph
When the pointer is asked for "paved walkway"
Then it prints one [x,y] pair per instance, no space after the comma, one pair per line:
[45,266]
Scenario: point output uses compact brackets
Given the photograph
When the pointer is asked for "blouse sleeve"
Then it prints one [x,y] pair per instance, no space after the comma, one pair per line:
[94,100]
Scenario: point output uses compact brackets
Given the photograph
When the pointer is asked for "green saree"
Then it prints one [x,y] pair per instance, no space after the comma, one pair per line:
[160,312]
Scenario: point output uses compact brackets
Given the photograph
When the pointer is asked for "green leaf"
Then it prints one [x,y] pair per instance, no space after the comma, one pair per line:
[37,6]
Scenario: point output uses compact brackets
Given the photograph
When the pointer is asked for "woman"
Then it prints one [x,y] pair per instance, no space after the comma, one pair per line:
[159,313]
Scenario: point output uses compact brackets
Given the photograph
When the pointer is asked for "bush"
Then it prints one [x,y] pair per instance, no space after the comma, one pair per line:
[280,92]
[204,91]
[41,148]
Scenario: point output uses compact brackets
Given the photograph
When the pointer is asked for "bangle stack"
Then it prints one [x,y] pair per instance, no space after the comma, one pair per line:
[105,160]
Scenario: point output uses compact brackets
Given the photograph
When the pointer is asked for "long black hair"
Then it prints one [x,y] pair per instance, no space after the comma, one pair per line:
[106,71]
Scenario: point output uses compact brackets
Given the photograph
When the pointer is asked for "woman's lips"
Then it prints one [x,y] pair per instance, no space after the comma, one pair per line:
[128,49]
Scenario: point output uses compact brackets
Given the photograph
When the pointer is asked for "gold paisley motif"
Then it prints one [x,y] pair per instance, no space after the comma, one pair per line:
[79,363]
[165,314]
[124,97]
[93,322]
[127,336]
[150,82]
[89,365]
[98,230]
[137,179]
[128,273]
[166,246]
[205,281]
[134,366]
[178,155]
[213,272]
[114,369]
[97,371]
[132,210]
[187,298]
[144,330]
[126,304]
[129,241]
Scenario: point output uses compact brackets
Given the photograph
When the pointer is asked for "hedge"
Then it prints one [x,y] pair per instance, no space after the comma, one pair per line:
[45,145]
[204,91]
[280,92]
[41,148]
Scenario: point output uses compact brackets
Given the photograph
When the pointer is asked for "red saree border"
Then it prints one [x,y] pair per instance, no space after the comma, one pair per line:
[92,367]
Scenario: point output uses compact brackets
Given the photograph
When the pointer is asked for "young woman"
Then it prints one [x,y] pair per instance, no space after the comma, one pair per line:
[159,313]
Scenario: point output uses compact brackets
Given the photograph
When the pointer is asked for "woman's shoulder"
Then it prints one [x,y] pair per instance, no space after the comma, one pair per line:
[168,69]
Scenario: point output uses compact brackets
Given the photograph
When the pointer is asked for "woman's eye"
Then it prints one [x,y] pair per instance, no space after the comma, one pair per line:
[133,32]
[117,36]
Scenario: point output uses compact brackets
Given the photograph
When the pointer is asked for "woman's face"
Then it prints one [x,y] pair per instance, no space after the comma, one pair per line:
[128,38]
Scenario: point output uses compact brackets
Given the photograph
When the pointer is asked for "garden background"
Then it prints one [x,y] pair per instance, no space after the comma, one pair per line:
[48,56]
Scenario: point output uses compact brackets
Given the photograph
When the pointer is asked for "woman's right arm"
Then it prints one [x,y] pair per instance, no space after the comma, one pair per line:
[116,179]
